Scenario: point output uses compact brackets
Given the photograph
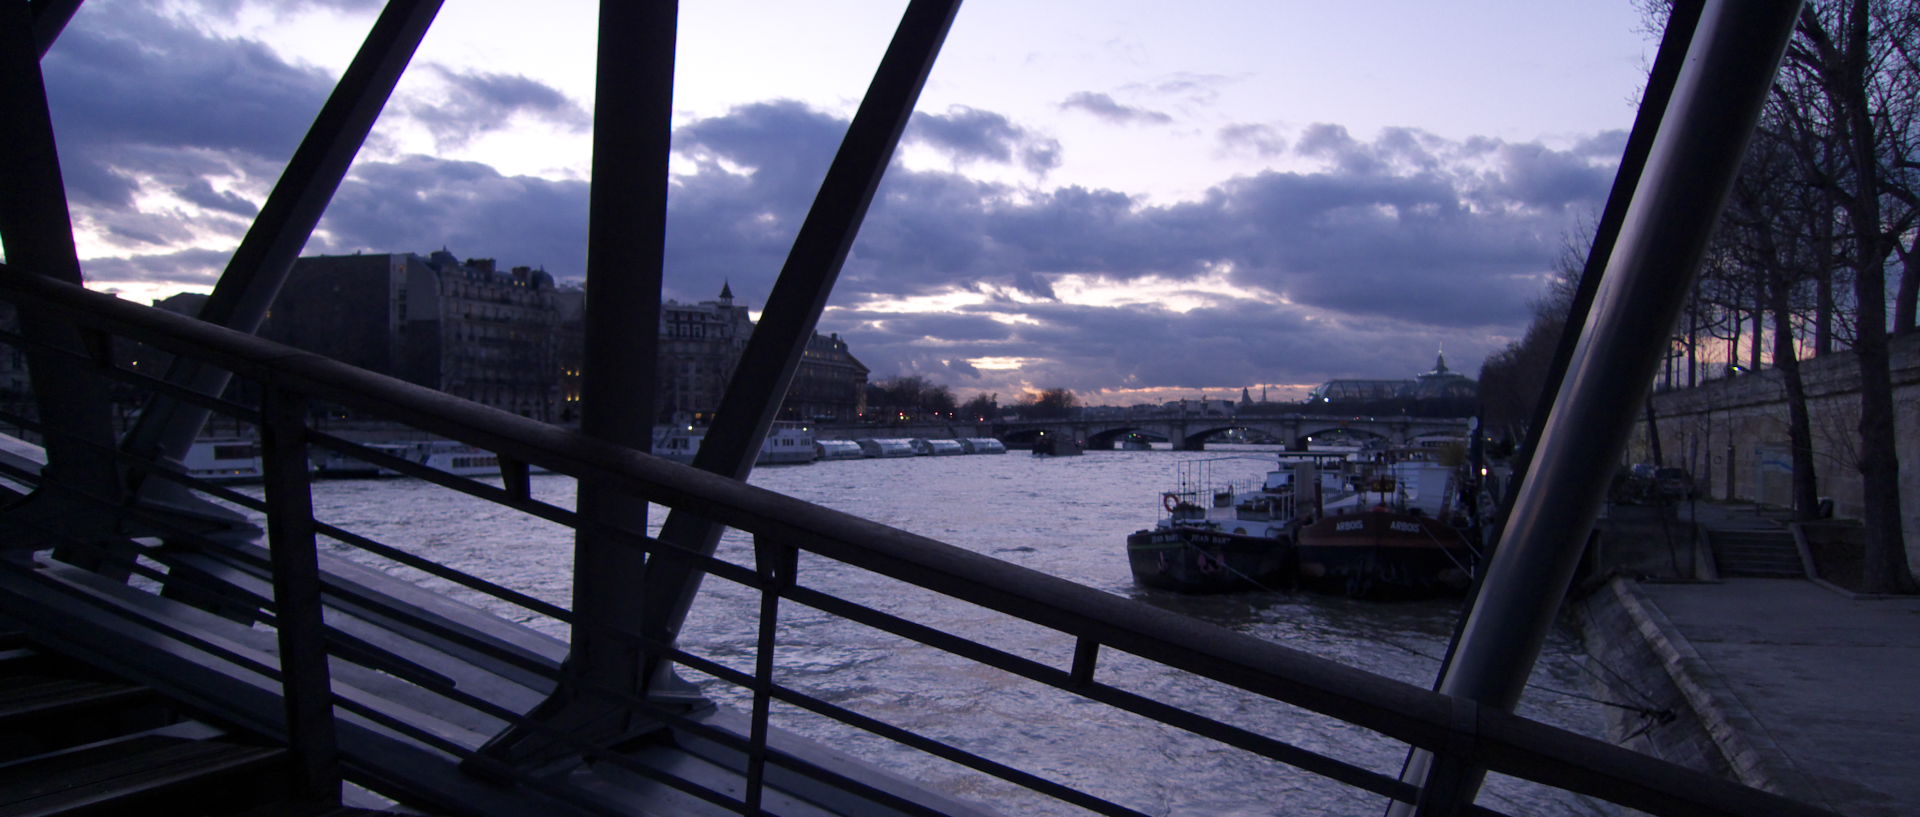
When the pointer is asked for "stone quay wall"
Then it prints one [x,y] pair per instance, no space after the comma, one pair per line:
[1674,706]
[1731,434]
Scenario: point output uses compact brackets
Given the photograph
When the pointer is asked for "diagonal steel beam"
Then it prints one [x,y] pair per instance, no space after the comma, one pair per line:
[50,17]
[36,229]
[626,250]
[773,354]
[1717,97]
[260,265]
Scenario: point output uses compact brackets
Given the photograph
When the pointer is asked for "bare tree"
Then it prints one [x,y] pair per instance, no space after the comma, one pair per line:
[1843,49]
[1827,203]
[1771,227]
[1512,380]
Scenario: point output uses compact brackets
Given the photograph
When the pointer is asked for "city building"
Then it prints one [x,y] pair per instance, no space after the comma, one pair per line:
[515,340]
[831,385]
[1437,392]
[700,344]
[462,327]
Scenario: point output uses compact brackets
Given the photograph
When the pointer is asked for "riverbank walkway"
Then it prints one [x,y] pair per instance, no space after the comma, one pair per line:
[1813,692]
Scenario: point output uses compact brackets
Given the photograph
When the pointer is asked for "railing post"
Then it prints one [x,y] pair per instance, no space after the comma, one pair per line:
[776,564]
[305,684]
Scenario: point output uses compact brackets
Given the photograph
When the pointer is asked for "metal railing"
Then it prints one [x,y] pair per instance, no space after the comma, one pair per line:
[782,528]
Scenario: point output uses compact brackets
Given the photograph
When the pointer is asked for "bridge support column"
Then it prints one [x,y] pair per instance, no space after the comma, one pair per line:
[1182,442]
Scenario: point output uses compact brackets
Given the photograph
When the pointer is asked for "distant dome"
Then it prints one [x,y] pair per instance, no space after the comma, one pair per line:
[1442,383]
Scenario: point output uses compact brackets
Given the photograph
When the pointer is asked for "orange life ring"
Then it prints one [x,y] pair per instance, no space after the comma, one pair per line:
[1170,500]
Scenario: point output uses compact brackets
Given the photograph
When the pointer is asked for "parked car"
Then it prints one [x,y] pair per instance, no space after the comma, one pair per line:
[1673,483]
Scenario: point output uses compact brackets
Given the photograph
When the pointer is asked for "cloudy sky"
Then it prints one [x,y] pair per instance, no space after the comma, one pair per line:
[1135,200]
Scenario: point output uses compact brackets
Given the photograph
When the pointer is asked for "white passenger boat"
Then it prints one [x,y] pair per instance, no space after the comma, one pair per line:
[453,457]
[787,444]
[678,443]
[224,459]
[334,464]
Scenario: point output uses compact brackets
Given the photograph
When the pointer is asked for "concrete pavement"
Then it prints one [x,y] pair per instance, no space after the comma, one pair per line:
[1808,692]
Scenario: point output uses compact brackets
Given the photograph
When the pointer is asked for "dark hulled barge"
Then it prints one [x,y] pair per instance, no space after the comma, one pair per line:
[1379,529]
[1397,536]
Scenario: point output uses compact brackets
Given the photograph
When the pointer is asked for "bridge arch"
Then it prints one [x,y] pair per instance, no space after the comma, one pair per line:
[1106,438]
[1195,438]
[1300,441]
[1022,437]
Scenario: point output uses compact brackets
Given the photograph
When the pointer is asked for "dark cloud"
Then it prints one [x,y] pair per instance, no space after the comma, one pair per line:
[201,192]
[1040,157]
[1362,263]
[420,203]
[138,96]
[468,104]
[1104,106]
[1605,146]
[969,134]
[1406,237]
[1260,140]
[1092,349]
[194,267]
[1541,177]
[229,8]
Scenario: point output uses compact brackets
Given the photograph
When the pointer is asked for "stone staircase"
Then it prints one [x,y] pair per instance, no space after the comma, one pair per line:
[74,741]
[1756,549]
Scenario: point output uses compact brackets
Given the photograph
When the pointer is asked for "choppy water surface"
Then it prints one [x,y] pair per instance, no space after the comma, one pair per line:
[1064,516]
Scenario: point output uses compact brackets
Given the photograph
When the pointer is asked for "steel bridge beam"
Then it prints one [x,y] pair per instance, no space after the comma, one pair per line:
[259,266]
[766,368]
[1717,98]
[37,231]
[626,250]
[50,17]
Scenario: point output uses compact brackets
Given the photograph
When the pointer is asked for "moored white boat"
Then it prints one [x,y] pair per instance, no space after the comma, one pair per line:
[787,444]
[224,459]
[453,457]
[1217,539]
[678,443]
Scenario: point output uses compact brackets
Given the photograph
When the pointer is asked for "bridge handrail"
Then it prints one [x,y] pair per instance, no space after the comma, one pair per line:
[1501,741]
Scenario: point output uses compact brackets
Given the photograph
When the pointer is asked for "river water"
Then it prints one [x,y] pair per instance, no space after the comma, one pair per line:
[1064,516]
